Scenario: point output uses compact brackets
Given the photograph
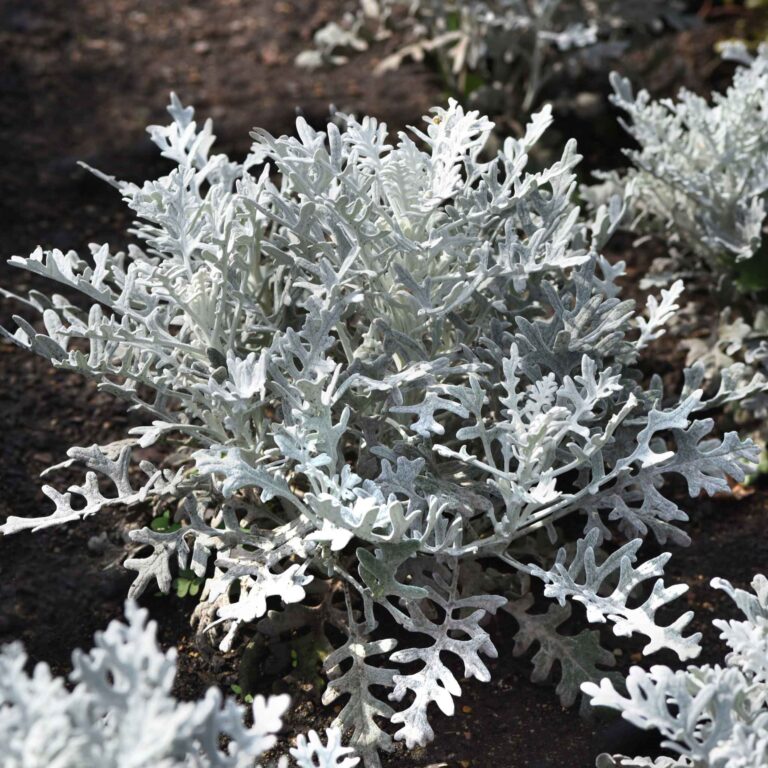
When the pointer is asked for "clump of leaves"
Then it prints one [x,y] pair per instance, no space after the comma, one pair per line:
[709,716]
[700,175]
[119,711]
[699,179]
[501,53]
[384,366]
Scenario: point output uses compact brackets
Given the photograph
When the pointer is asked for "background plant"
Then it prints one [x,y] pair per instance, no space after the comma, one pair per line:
[699,180]
[498,53]
[700,175]
[374,371]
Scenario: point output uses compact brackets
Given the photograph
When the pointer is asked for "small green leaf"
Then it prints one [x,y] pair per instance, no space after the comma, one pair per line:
[163,523]
[472,82]
[187,584]
[752,274]
[452,21]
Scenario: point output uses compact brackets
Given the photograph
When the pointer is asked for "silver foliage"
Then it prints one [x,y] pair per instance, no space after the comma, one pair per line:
[119,711]
[381,365]
[584,581]
[711,716]
[700,175]
[699,179]
[578,657]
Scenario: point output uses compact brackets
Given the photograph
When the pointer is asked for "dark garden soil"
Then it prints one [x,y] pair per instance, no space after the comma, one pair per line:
[80,80]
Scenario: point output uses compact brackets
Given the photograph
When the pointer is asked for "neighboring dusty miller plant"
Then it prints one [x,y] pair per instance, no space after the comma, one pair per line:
[119,711]
[382,368]
[699,179]
[499,51]
[710,716]
[700,174]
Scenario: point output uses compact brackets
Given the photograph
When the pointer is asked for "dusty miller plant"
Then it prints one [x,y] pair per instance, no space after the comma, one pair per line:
[119,711]
[709,716]
[699,179]
[375,371]
[499,52]
[700,174]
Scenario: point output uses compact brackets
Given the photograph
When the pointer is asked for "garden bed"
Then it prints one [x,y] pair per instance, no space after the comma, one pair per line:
[79,81]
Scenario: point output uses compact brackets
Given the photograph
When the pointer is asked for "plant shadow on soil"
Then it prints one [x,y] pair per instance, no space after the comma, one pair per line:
[80,80]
